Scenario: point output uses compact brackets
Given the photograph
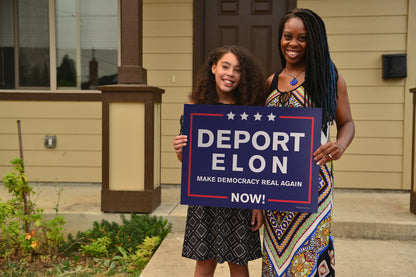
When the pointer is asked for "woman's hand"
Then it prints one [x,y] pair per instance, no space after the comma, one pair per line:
[256,220]
[178,143]
[330,151]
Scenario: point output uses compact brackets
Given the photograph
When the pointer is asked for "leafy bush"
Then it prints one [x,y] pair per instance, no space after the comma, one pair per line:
[28,241]
[23,229]
[97,248]
[145,251]
[129,235]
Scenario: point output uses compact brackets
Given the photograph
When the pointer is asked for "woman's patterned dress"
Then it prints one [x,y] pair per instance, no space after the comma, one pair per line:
[300,244]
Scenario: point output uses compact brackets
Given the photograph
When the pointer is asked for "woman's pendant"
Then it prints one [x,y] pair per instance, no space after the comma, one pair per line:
[294,81]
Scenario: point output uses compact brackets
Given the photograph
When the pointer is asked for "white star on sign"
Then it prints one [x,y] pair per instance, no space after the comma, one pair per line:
[244,116]
[257,116]
[230,115]
[271,117]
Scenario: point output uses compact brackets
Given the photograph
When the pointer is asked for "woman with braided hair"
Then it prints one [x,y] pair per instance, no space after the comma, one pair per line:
[301,244]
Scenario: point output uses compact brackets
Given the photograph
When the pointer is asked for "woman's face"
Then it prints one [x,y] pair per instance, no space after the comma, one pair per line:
[227,74]
[293,41]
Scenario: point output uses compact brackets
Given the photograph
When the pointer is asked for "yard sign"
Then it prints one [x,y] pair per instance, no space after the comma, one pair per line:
[251,157]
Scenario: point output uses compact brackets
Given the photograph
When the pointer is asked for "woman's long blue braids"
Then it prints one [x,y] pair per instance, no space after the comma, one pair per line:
[321,75]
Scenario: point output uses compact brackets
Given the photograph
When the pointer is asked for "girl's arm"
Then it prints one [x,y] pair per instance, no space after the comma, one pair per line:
[178,143]
[257,219]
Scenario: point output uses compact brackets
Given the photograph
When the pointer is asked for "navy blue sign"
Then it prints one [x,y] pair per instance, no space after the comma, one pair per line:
[251,157]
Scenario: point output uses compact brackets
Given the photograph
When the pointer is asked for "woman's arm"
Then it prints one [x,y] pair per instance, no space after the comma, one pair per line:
[345,128]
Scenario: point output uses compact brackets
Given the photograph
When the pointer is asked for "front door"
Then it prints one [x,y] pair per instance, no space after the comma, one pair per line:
[252,24]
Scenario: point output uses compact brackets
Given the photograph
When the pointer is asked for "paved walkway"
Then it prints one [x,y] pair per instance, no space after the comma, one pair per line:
[353,258]
[375,233]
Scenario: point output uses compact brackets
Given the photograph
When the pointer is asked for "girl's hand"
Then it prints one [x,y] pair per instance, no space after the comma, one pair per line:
[256,220]
[330,151]
[178,143]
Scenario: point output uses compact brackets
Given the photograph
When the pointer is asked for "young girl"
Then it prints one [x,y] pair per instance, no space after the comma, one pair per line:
[216,235]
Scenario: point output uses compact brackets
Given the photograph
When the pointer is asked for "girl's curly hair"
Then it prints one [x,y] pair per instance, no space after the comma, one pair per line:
[251,89]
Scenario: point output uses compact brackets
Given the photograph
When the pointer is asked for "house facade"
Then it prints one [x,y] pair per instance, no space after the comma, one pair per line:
[55,55]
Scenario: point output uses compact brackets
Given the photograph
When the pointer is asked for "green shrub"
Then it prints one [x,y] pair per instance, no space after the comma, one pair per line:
[145,251]
[129,235]
[24,233]
[23,229]
[97,248]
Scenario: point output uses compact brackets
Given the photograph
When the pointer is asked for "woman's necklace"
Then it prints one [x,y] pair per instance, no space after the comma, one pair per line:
[294,81]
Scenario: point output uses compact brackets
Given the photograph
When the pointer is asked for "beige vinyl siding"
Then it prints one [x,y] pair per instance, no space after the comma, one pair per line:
[167,56]
[355,8]
[77,126]
[359,33]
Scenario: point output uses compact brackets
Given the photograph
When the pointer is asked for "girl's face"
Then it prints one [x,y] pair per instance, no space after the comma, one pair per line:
[227,74]
[293,41]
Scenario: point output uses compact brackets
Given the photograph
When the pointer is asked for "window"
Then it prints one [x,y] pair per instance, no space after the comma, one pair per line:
[7,41]
[84,43]
[33,43]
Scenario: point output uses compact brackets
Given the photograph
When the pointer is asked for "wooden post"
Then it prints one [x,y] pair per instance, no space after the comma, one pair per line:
[131,116]
[131,70]
[131,148]
[413,187]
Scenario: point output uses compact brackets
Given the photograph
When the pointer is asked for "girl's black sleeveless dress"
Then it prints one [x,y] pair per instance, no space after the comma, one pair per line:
[222,234]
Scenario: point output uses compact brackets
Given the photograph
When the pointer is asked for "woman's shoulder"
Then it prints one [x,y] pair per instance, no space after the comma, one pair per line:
[272,81]
[340,79]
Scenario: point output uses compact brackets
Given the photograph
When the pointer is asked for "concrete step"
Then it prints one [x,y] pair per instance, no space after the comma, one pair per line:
[358,214]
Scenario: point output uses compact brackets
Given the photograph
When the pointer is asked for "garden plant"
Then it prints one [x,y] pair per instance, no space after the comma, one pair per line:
[33,246]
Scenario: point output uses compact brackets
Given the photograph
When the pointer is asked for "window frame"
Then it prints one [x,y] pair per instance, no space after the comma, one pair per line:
[52,54]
